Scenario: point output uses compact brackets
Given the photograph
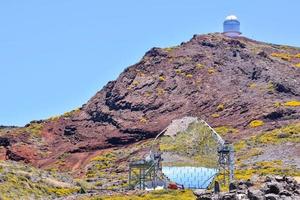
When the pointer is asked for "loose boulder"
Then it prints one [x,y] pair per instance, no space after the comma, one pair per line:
[272,188]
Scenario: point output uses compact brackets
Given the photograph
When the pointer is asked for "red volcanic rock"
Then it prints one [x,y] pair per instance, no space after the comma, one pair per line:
[225,81]
[3,152]
[22,152]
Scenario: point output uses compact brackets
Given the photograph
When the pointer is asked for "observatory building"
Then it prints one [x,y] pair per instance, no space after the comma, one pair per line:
[231,26]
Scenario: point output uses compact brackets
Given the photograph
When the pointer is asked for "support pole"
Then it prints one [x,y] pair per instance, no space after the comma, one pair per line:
[140,178]
[231,164]
[129,177]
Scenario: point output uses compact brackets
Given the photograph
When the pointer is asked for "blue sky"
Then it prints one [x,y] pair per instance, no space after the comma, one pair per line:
[56,54]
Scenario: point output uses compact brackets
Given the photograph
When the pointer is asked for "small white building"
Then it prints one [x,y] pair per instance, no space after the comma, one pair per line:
[231,26]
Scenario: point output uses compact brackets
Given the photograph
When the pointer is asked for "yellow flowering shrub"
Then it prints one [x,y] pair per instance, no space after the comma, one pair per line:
[292,103]
[224,130]
[256,123]
[199,66]
[220,107]
[143,120]
[168,49]
[135,83]
[162,78]
[178,71]
[277,104]
[252,85]
[283,56]
[297,65]
[239,145]
[215,115]
[160,91]
[189,76]
[211,71]
[297,55]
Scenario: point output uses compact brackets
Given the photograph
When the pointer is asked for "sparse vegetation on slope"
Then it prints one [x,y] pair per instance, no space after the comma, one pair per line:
[156,195]
[224,130]
[248,149]
[19,181]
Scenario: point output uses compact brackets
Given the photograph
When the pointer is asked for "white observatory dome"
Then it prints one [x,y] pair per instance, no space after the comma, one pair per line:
[231,26]
[231,17]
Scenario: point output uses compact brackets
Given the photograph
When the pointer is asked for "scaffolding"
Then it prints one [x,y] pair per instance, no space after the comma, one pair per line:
[145,173]
[226,162]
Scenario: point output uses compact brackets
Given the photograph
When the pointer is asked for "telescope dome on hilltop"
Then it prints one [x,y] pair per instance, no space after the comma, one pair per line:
[231,26]
[231,17]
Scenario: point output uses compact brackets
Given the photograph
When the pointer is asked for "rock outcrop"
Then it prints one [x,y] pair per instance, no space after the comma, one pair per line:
[273,188]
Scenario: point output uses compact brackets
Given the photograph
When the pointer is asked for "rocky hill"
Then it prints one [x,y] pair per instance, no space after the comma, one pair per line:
[241,87]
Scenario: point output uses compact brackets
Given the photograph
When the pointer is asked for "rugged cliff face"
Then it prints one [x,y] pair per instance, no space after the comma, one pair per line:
[240,86]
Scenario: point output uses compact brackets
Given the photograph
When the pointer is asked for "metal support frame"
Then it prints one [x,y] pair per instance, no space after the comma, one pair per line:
[226,161]
[144,171]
